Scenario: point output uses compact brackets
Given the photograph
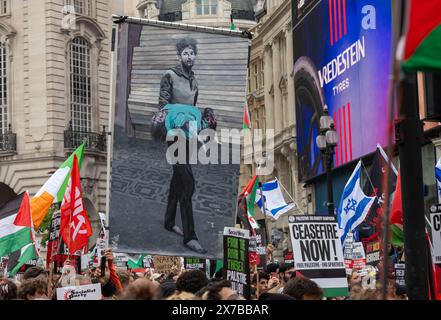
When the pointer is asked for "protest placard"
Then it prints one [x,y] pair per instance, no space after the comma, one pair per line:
[121,260]
[435,220]
[236,260]
[318,252]
[147,261]
[195,264]
[288,256]
[86,292]
[373,253]
[163,264]
[261,248]
[400,271]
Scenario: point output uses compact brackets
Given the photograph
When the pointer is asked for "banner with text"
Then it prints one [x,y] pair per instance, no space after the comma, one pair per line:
[435,219]
[318,253]
[87,292]
[163,264]
[236,260]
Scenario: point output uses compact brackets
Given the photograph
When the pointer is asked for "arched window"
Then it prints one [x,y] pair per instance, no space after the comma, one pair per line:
[80,85]
[3,90]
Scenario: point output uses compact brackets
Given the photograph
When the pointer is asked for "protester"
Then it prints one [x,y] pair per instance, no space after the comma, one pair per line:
[81,280]
[33,289]
[286,272]
[182,296]
[125,277]
[275,296]
[191,281]
[302,288]
[358,293]
[8,290]
[167,289]
[273,270]
[217,290]
[141,289]
[262,286]
[34,272]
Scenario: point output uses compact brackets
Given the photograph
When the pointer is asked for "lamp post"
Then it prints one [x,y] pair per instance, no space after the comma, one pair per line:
[326,142]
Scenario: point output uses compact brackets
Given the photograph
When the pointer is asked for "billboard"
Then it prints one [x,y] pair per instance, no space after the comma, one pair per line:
[157,206]
[342,59]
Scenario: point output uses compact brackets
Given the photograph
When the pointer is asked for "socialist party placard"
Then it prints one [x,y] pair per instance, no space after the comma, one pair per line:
[318,252]
[236,260]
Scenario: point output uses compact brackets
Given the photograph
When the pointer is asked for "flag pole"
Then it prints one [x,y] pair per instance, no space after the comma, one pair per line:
[286,191]
[264,211]
[110,128]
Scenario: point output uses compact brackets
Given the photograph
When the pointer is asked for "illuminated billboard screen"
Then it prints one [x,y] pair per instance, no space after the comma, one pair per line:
[342,59]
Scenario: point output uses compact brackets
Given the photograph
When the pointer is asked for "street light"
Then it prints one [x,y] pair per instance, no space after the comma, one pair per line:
[326,142]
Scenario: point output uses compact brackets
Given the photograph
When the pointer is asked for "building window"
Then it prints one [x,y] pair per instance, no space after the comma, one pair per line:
[4,6]
[80,85]
[3,90]
[283,55]
[250,89]
[81,6]
[206,7]
[262,73]
[256,76]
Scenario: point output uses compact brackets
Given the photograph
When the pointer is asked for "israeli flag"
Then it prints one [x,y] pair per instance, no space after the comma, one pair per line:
[438,178]
[275,204]
[354,205]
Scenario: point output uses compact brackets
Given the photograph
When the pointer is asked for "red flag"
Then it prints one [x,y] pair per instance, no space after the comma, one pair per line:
[75,228]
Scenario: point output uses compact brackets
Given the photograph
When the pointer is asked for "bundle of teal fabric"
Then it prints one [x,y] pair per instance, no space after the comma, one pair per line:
[184,117]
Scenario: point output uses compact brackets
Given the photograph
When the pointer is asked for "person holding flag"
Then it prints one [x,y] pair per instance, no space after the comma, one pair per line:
[354,205]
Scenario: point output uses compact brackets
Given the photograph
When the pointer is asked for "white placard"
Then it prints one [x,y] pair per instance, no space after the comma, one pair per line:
[87,292]
[435,219]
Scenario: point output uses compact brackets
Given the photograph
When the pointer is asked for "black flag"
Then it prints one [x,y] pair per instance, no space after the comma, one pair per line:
[242,212]
[375,186]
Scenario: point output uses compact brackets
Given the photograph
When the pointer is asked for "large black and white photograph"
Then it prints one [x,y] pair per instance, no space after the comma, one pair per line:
[174,82]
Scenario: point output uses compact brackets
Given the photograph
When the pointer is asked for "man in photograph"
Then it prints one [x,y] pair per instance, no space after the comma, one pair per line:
[179,89]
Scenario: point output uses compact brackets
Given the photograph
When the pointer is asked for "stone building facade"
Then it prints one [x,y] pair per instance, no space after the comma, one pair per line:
[213,13]
[271,103]
[55,67]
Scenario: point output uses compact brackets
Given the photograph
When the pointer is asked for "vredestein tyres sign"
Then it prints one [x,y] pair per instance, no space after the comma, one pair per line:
[342,59]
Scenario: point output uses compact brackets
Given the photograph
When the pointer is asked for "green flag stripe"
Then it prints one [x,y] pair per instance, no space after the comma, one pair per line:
[427,55]
[15,241]
[28,253]
[336,292]
[397,238]
[68,163]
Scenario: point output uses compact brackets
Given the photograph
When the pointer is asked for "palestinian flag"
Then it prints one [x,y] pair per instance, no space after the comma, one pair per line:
[15,225]
[396,218]
[250,194]
[21,257]
[246,205]
[132,264]
[54,188]
[16,232]
[246,117]
[423,40]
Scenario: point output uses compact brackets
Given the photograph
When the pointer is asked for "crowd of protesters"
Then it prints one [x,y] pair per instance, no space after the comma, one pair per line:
[277,282]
